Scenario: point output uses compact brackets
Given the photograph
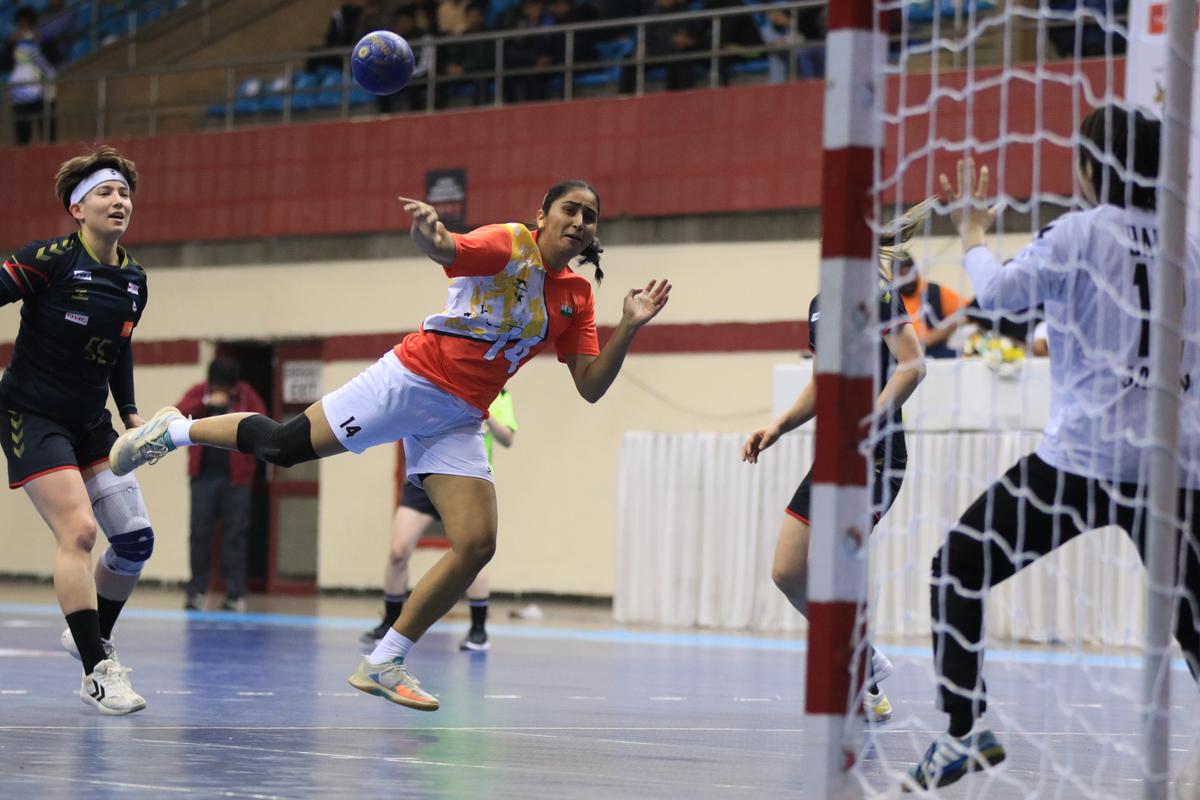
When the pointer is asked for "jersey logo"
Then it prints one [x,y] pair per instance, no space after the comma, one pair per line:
[54,249]
[567,311]
[78,319]
[132,288]
[82,275]
[80,294]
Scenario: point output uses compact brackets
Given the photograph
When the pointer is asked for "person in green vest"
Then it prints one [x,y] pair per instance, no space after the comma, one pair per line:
[413,518]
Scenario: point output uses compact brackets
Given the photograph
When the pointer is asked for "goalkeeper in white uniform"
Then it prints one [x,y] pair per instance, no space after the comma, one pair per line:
[1094,270]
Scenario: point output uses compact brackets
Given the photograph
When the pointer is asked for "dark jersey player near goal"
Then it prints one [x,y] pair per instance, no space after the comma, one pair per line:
[901,369]
[82,296]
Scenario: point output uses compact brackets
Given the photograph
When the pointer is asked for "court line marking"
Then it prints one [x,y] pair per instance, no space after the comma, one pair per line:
[599,635]
[152,787]
[415,761]
[890,730]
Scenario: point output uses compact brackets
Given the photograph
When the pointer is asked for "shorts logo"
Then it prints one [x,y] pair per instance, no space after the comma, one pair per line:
[78,319]
[127,328]
[132,288]
[17,434]
[82,275]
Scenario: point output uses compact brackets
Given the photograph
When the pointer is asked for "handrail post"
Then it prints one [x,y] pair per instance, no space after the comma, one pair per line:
[569,73]
[640,65]
[498,85]
[287,93]
[714,65]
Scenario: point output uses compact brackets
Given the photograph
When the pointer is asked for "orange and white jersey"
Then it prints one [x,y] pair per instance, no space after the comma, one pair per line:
[503,308]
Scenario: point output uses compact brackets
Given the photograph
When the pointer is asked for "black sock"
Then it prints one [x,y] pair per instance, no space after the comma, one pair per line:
[393,604]
[109,610]
[85,630]
[961,722]
[478,613]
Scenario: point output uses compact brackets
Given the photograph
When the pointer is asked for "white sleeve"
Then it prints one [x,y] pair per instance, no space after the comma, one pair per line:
[1035,275]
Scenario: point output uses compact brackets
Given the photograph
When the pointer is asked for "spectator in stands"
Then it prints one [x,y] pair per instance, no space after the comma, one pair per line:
[221,482]
[29,58]
[570,12]
[807,42]
[345,29]
[468,57]
[936,312]
[531,51]
[738,33]
[1093,39]
[675,38]
[452,17]
[411,22]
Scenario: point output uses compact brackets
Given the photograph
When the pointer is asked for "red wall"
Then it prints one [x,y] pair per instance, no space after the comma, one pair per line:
[712,151]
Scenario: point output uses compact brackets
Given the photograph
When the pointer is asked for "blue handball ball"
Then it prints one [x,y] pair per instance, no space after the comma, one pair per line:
[382,62]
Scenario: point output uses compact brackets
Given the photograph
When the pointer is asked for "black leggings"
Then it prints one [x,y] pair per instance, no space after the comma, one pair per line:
[1031,511]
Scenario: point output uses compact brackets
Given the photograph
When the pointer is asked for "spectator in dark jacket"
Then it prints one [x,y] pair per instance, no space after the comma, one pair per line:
[29,58]
[221,482]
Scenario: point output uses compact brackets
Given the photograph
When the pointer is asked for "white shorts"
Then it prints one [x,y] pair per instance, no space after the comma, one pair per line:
[386,402]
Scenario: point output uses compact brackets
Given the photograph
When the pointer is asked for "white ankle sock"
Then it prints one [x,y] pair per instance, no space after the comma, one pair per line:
[393,645]
[180,431]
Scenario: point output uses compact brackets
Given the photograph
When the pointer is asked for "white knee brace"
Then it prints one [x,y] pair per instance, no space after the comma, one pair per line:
[121,512]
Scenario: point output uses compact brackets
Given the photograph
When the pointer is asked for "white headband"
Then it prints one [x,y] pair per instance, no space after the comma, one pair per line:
[95,179]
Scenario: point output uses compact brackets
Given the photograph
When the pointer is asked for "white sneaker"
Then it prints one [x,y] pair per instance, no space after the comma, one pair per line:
[108,689]
[881,666]
[68,643]
[145,444]
[877,707]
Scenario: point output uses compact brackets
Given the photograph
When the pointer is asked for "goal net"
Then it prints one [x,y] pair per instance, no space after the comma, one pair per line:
[1071,694]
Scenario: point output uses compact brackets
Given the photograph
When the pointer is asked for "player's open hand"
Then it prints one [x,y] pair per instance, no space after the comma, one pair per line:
[425,221]
[760,440]
[968,202]
[643,305]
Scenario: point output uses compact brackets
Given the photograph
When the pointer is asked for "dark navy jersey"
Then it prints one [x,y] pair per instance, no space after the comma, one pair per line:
[891,315]
[77,318]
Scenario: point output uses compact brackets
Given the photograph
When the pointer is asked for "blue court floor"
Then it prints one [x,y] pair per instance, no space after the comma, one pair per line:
[257,706]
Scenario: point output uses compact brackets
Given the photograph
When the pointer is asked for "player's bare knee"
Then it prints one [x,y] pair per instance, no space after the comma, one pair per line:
[789,579]
[79,535]
[477,547]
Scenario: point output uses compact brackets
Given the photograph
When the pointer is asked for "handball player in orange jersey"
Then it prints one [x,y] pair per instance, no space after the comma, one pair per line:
[512,294]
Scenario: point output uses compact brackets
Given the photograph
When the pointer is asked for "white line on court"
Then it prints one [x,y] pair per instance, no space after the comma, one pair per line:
[152,787]
[412,761]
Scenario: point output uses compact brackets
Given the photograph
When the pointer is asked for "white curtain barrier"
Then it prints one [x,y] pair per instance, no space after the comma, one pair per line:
[697,530]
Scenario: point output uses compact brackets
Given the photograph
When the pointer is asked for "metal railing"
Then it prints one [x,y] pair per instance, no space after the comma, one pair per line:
[153,100]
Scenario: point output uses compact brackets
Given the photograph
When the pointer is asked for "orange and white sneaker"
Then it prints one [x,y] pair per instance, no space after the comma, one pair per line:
[393,681]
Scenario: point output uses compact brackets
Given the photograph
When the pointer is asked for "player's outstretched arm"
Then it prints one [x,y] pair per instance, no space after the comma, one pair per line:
[910,368]
[804,409]
[428,232]
[594,374]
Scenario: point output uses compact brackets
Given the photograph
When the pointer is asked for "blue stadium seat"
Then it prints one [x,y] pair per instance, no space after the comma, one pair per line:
[756,66]
[925,10]
[80,49]
[330,94]
[613,50]
[248,99]
[304,91]
[272,96]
